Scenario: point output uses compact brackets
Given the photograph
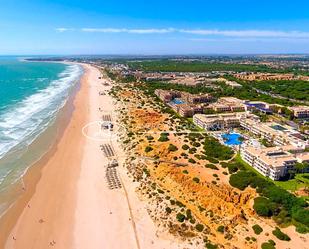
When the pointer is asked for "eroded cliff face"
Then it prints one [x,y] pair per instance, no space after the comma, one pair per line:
[148,120]
[222,199]
[212,204]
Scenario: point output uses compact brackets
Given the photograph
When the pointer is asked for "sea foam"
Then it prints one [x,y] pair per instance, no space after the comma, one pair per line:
[27,119]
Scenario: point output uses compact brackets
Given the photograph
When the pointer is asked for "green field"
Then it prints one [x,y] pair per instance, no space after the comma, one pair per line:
[300,181]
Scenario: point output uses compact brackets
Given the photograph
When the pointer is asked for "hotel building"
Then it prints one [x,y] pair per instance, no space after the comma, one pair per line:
[274,162]
[275,133]
[167,96]
[220,121]
[300,111]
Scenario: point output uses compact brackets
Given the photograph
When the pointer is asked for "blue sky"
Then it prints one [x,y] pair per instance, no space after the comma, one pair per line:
[153,27]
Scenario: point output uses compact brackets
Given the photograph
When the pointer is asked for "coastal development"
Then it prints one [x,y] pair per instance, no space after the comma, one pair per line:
[154,125]
[168,160]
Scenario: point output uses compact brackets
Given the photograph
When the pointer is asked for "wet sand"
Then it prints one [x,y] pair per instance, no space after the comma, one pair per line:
[67,201]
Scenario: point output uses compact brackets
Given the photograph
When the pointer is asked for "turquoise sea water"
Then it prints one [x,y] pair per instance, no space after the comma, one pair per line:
[31,95]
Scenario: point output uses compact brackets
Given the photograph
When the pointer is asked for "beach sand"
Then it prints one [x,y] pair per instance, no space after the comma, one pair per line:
[67,202]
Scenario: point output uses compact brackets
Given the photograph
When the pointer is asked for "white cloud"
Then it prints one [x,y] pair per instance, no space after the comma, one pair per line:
[248,33]
[63,29]
[131,31]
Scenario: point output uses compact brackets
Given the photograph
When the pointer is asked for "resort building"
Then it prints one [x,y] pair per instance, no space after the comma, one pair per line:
[196,98]
[188,110]
[233,84]
[260,106]
[300,111]
[275,133]
[264,76]
[219,121]
[167,96]
[274,162]
[228,104]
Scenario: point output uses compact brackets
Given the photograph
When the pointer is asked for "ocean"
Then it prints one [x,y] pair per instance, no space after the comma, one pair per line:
[32,95]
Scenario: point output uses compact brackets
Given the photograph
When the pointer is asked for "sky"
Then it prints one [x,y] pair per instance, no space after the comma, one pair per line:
[76,27]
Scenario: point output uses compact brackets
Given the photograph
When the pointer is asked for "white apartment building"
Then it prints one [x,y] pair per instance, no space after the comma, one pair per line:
[219,121]
[274,133]
[274,162]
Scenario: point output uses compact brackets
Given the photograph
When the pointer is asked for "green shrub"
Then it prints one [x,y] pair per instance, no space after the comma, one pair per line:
[163,137]
[191,160]
[168,210]
[212,160]
[196,144]
[213,148]
[160,191]
[280,235]
[192,150]
[221,229]
[211,246]
[146,171]
[148,149]
[302,229]
[192,221]
[188,214]
[242,179]
[232,168]
[224,164]
[283,217]
[180,217]
[211,166]
[257,229]
[302,216]
[150,138]
[195,179]
[185,147]
[267,245]
[180,204]
[185,171]
[263,206]
[172,147]
[199,227]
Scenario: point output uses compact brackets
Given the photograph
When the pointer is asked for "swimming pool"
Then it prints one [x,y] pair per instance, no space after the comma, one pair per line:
[231,138]
[177,101]
[278,128]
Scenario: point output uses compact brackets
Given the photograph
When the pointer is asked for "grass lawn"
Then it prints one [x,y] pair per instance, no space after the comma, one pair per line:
[300,180]
[294,184]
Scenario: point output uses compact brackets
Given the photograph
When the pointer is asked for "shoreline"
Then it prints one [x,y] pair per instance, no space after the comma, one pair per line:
[33,173]
[39,146]
[70,203]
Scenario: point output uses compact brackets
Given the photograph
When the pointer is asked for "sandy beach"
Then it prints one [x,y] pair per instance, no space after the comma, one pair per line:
[67,202]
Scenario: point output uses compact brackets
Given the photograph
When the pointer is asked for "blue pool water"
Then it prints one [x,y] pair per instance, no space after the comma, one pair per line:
[231,139]
[278,128]
[177,101]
